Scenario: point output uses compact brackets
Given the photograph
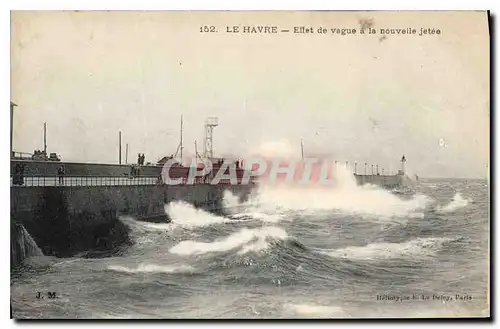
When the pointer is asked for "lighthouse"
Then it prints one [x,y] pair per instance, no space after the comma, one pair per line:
[402,170]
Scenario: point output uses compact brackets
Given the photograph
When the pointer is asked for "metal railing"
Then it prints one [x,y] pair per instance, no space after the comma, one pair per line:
[28,181]
[31,181]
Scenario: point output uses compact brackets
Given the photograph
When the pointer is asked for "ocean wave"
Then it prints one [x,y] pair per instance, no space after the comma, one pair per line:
[260,216]
[185,215]
[313,310]
[141,226]
[248,240]
[345,196]
[456,202]
[420,247]
[152,268]
[251,209]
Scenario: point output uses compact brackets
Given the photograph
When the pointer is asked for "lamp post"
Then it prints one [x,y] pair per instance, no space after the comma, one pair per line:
[12,105]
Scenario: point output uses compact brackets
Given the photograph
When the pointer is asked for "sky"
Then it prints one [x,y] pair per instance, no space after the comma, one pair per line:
[356,97]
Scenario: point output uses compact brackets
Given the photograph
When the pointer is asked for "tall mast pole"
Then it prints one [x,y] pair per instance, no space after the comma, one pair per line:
[126,153]
[302,149]
[181,140]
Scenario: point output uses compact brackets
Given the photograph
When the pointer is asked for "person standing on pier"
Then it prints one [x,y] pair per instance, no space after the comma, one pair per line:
[140,159]
[21,173]
[60,174]
[16,176]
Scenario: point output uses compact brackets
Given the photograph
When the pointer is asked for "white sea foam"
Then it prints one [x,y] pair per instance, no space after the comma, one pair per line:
[185,215]
[246,239]
[420,247]
[344,196]
[313,310]
[456,202]
[151,268]
[251,209]
[276,148]
[141,226]
[182,215]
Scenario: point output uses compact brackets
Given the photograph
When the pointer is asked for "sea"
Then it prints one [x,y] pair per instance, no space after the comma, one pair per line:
[288,252]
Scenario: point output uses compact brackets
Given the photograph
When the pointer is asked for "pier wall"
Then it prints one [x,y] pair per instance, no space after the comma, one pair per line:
[386,181]
[65,220]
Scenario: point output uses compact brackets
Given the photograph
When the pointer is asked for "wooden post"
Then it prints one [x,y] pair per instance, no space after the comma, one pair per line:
[119,147]
[12,105]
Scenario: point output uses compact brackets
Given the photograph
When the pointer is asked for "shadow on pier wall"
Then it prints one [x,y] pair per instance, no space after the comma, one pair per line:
[65,221]
[50,225]
[60,232]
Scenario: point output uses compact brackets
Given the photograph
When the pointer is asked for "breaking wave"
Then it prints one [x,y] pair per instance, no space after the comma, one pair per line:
[345,196]
[456,202]
[142,227]
[185,215]
[247,240]
[252,209]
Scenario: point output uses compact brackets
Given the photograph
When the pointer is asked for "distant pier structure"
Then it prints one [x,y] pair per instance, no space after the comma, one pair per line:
[375,178]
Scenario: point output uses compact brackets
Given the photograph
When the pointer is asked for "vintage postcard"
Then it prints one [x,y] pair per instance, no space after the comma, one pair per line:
[250,164]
